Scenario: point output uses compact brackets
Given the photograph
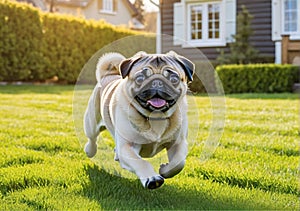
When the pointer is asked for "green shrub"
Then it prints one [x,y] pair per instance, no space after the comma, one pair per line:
[203,79]
[38,46]
[69,42]
[258,78]
[20,36]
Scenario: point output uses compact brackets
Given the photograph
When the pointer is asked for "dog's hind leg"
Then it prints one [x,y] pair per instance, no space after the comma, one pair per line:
[92,122]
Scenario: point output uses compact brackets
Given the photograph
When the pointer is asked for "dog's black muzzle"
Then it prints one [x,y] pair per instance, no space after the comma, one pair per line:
[157,95]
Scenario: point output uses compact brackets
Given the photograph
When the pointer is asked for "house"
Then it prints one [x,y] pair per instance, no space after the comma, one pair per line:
[209,26]
[36,3]
[116,12]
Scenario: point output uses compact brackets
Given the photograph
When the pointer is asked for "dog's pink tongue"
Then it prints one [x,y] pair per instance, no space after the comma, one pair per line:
[157,102]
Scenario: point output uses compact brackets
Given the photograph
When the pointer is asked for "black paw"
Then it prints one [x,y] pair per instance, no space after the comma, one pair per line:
[154,182]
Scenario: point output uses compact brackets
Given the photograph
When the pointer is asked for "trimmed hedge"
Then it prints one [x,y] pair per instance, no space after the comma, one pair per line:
[20,36]
[258,78]
[37,46]
[203,79]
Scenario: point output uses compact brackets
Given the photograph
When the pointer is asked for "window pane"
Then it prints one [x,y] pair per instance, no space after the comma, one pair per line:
[290,27]
[196,9]
[290,15]
[193,16]
[199,17]
[194,26]
[211,21]
[217,8]
[193,35]
[217,25]
[199,25]
[200,35]
[196,22]
[213,8]
[290,4]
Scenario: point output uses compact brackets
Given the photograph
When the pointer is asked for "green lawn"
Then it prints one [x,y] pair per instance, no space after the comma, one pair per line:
[42,165]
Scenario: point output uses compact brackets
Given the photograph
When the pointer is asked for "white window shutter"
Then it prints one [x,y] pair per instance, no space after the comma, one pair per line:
[178,20]
[230,17]
[276,20]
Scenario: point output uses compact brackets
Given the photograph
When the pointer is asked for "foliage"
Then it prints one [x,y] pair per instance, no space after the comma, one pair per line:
[42,165]
[38,46]
[258,78]
[203,79]
[241,50]
[20,34]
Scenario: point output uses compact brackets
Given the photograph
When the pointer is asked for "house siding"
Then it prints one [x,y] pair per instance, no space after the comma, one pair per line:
[261,24]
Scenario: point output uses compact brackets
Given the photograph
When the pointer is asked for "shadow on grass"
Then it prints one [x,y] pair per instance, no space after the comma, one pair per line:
[117,193]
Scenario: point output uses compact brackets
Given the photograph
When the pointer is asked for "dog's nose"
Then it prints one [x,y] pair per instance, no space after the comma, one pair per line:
[157,84]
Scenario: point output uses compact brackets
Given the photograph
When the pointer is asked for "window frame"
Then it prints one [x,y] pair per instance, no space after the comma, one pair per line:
[105,9]
[283,31]
[205,41]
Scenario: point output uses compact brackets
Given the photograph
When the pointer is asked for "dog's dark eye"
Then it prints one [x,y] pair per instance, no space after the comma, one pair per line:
[166,73]
[174,79]
[147,71]
[139,79]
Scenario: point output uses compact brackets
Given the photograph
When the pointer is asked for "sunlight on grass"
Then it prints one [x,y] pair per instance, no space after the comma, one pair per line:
[43,166]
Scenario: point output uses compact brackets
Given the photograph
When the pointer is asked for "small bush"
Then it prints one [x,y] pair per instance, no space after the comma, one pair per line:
[258,78]
[241,50]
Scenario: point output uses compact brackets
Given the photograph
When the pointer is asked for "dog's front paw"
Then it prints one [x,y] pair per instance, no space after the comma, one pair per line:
[90,148]
[154,182]
[170,170]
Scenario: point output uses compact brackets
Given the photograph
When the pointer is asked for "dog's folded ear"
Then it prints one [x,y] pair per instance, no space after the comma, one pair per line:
[127,64]
[185,64]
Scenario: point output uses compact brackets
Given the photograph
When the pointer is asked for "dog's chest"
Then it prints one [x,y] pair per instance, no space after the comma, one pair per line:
[149,150]
[158,129]
[154,131]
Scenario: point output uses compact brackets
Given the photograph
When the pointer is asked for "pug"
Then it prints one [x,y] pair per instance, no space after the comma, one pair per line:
[142,102]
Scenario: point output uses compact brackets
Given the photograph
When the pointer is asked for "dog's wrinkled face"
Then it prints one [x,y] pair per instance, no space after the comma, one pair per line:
[157,91]
[156,81]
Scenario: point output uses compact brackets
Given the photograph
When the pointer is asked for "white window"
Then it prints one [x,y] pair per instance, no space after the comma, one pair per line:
[290,16]
[285,19]
[204,23]
[107,6]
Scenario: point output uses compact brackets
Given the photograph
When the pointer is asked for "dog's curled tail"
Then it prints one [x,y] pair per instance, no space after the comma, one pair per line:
[108,64]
